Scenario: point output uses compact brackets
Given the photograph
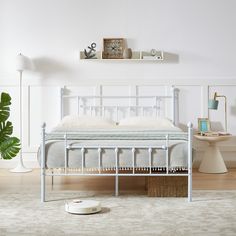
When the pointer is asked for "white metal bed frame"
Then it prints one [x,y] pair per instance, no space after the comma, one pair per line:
[155,109]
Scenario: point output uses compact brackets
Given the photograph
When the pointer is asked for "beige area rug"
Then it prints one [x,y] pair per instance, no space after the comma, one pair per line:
[210,213]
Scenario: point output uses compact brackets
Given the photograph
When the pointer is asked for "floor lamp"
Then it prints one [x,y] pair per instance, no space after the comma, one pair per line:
[22,63]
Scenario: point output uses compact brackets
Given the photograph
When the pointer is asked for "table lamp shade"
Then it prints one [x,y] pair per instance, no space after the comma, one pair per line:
[23,63]
[213,104]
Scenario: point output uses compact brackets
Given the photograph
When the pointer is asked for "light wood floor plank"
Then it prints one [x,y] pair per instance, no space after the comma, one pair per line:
[15,181]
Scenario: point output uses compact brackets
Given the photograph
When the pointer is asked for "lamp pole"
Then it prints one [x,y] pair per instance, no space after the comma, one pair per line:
[20,168]
[223,96]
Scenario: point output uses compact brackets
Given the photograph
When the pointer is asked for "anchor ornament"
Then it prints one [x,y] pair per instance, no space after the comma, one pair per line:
[91,53]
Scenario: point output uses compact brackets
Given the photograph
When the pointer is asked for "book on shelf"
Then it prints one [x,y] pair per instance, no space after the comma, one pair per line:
[152,58]
[214,133]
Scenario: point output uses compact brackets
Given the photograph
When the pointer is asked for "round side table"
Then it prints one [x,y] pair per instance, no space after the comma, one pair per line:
[212,161]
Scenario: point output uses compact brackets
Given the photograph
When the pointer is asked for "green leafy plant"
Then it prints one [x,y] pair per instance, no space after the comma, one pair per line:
[9,146]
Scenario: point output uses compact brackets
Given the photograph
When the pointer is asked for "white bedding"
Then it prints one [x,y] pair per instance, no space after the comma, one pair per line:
[144,121]
[77,123]
[100,132]
[70,123]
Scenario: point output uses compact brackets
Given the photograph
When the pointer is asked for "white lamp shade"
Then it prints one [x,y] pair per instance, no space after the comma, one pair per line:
[23,63]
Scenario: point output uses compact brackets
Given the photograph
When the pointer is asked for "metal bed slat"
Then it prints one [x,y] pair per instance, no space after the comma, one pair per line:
[117,113]
[133,159]
[78,105]
[156,98]
[99,159]
[167,153]
[82,156]
[150,159]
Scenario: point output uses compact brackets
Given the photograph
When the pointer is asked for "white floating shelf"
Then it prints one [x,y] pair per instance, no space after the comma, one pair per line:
[136,56]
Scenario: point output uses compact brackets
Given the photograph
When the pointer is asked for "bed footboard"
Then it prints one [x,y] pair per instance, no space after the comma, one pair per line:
[118,171]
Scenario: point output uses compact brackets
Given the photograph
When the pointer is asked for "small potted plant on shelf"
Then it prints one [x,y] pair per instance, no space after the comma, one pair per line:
[9,146]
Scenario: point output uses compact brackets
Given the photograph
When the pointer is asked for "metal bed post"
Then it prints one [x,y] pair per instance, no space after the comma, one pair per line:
[43,164]
[66,153]
[190,138]
[167,154]
[175,106]
[52,172]
[62,102]
[133,159]
[82,161]
[78,101]
[156,112]
[117,114]
[117,177]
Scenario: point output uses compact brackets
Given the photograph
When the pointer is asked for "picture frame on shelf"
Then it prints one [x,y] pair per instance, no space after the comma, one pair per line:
[113,48]
[203,125]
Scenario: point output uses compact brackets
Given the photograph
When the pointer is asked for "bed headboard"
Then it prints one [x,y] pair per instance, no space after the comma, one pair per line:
[99,106]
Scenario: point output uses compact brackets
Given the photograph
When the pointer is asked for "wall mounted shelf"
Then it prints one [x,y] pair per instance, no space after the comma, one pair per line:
[136,56]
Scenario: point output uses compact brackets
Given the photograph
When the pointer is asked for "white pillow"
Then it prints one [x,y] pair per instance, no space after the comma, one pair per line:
[70,123]
[149,122]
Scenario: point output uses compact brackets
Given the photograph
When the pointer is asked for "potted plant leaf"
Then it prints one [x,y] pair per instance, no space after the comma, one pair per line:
[9,146]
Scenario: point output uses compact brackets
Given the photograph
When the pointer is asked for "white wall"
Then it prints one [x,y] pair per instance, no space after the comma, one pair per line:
[198,35]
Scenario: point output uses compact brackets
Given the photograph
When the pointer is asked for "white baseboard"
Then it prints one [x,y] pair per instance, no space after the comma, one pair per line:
[29,160]
[10,164]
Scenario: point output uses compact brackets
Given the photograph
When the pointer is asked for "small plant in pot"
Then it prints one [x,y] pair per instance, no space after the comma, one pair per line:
[9,146]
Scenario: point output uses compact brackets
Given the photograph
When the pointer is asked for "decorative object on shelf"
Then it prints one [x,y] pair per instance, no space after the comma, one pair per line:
[203,125]
[9,146]
[153,52]
[113,48]
[153,55]
[213,105]
[91,54]
[127,54]
[22,63]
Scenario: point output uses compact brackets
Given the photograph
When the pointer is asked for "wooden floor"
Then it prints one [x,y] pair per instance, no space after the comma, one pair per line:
[31,181]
